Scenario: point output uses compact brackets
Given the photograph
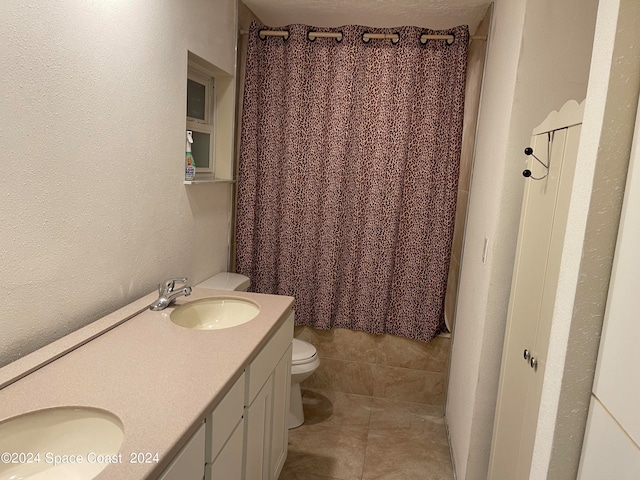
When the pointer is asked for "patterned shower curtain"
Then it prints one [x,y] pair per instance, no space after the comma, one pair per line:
[348,174]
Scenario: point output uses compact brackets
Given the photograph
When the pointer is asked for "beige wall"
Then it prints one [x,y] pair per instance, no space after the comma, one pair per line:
[245,17]
[94,212]
[475,73]
[538,58]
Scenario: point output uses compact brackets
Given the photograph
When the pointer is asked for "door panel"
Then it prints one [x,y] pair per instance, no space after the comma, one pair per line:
[533,290]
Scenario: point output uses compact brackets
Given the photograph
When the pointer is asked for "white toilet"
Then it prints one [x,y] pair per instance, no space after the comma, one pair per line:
[304,362]
[304,359]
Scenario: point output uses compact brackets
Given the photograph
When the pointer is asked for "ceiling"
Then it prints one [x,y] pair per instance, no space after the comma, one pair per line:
[433,14]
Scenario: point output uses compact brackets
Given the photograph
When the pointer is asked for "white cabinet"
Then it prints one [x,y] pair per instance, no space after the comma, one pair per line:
[246,435]
[608,451]
[228,463]
[258,432]
[281,397]
[266,407]
[189,463]
[225,436]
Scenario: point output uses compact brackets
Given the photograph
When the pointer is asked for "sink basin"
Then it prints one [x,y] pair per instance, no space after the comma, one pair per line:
[214,313]
[59,443]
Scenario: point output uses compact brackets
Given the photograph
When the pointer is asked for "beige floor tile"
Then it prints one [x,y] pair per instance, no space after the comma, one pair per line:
[327,451]
[290,475]
[335,408]
[354,436]
[404,352]
[401,458]
[406,420]
[342,376]
[409,385]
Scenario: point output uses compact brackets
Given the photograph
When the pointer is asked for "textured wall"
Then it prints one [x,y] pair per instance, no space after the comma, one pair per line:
[94,213]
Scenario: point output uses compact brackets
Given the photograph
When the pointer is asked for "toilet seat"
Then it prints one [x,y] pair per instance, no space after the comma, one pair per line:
[302,352]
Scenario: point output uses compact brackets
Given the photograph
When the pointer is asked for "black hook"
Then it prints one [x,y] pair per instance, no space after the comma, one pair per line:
[529,151]
[527,173]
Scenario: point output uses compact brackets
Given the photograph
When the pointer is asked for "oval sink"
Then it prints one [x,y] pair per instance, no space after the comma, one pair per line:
[214,313]
[59,443]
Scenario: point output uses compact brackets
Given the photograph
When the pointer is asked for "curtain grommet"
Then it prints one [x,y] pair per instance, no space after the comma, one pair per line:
[263,36]
[395,41]
[365,40]
[339,39]
[309,37]
[451,41]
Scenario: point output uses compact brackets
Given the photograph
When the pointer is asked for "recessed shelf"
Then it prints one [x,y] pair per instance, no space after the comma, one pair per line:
[209,180]
[221,167]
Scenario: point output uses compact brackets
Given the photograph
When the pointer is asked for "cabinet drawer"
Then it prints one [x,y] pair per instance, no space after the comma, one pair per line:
[262,366]
[189,463]
[224,419]
[228,465]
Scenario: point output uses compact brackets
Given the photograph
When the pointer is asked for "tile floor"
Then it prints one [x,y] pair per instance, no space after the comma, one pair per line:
[354,437]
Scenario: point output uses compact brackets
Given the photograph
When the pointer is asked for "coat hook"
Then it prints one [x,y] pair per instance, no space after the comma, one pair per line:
[529,152]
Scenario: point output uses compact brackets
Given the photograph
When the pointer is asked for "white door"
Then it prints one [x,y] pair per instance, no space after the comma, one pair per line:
[534,284]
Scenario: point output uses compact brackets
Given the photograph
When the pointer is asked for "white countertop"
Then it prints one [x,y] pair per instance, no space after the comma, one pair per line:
[160,379]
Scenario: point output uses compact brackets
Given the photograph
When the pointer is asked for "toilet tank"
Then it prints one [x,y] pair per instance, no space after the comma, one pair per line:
[227,281]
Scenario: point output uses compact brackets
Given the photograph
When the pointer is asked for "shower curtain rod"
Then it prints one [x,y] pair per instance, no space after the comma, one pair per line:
[366,37]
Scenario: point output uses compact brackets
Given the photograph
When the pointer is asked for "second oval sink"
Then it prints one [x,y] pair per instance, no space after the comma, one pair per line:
[214,313]
[59,443]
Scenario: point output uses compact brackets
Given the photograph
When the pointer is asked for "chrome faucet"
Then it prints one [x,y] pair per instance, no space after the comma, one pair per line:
[168,293]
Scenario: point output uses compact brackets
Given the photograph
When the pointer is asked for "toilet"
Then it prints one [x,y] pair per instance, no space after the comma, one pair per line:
[304,357]
[304,362]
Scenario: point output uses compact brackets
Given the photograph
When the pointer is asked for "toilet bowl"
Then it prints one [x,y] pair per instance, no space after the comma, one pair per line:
[304,362]
[304,359]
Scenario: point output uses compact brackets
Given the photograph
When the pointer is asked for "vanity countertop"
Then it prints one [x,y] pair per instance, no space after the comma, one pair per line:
[160,379]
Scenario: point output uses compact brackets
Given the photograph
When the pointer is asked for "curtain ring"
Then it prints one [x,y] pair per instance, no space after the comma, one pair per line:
[426,40]
[309,36]
[263,36]
[339,39]
[397,40]
[452,41]
[365,40]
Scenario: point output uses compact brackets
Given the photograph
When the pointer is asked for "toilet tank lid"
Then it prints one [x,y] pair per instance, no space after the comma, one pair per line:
[227,281]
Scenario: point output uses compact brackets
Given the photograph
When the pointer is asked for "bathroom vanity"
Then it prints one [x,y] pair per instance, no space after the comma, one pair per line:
[192,403]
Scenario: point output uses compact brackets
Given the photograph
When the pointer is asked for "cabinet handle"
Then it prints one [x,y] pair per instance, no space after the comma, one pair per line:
[534,363]
[527,355]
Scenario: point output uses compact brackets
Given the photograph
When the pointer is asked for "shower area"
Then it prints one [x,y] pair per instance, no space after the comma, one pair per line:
[401,360]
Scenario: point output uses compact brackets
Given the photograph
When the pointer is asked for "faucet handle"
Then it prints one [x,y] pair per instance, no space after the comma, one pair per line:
[168,285]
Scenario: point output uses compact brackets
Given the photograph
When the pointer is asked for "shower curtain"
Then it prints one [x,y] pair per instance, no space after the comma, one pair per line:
[348,174]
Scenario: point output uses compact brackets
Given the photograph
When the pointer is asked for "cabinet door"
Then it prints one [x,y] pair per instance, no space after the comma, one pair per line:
[608,451]
[189,463]
[281,396]
[534,286]
[258,418]
[228,464]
